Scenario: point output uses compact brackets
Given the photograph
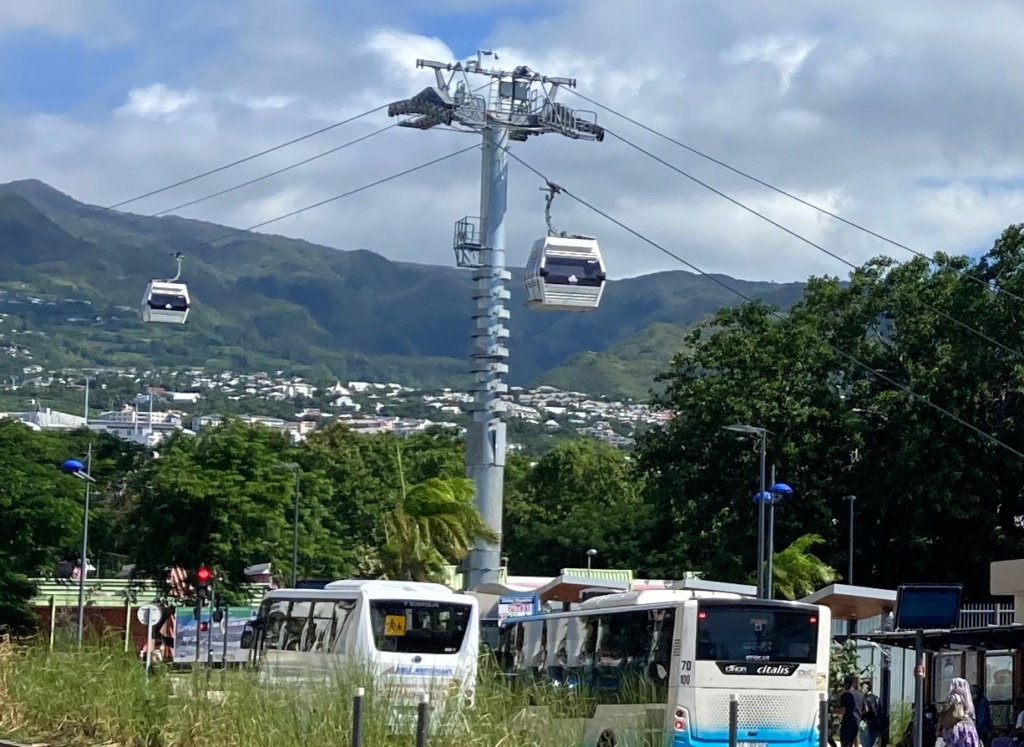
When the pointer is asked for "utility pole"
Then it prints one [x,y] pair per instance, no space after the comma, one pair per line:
[87,379]
[83,560]
[517,104]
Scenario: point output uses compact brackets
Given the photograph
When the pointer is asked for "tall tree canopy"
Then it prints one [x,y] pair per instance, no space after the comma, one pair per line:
[838,429]
[581,495]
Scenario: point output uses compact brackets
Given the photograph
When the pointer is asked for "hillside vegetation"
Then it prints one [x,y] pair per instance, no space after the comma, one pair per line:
[263,301]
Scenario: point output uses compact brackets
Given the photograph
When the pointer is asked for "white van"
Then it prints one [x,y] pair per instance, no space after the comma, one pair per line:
[410,637]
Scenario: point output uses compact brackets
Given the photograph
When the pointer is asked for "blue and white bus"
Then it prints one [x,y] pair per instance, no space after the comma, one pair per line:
[658,668]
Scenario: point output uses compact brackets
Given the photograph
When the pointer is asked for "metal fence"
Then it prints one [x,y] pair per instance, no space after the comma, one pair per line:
[902,661]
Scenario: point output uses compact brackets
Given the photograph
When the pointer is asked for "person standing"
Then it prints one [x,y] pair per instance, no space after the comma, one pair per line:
[956,720]
[851,708]
[873,719]
[984,712]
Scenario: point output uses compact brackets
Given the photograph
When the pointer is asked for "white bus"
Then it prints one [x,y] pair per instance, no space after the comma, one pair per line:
[410,637]
[657,668]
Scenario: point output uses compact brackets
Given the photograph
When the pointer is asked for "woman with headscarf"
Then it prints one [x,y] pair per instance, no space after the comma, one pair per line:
[956,720]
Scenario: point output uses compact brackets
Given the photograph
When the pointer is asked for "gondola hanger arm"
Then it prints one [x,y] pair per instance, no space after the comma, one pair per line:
[177,258]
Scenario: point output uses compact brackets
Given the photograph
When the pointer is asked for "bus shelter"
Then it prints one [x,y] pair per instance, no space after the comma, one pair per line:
[988,656]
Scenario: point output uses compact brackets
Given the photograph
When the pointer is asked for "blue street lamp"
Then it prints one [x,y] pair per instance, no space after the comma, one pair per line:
[761,434]
[83,471]
[768,498]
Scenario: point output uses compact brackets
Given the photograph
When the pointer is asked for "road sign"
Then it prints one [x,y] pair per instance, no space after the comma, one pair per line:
[149,614]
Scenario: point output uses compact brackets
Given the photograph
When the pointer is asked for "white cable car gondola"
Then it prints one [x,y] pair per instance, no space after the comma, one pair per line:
[564,273]
[166,301]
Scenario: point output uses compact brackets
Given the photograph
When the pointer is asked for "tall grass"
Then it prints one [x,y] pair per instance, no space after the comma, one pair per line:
[101,696]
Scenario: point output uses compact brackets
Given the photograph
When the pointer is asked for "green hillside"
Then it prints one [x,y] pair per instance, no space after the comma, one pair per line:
[269,302]
[625,369]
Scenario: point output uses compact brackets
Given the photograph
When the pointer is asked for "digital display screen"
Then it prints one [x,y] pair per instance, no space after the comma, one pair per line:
[928,606]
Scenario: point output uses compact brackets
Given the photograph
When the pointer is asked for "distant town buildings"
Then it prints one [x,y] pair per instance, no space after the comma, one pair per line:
[364,406]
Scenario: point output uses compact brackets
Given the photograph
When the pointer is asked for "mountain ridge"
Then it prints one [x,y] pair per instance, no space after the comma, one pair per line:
[265,300]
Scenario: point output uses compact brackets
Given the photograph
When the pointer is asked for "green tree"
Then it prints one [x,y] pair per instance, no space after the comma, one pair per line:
[364,480]
[581,495]
[838,428]
[797,572]
[431,523]
[225,498]
[42,513]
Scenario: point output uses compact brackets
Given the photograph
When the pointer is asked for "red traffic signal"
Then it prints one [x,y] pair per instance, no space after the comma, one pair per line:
[203,574]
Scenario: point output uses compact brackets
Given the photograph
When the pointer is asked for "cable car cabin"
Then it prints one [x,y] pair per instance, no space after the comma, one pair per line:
[565,274]
[165,302]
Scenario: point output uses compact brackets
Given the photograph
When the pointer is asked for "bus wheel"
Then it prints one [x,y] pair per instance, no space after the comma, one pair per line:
[607,739]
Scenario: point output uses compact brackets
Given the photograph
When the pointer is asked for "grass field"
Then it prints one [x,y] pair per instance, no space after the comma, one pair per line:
[101,697]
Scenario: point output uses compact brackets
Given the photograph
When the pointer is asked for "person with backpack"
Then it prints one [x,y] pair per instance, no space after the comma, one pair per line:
[956,720]
[851,708]
[872,718]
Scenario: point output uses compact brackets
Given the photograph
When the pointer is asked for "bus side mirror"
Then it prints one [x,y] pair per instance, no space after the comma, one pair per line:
[248,636]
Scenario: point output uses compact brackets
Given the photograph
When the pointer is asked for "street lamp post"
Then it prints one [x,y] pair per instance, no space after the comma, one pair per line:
[778,490]
[295,519]
[590,556]
[83,472]
[762,435]
[849,554]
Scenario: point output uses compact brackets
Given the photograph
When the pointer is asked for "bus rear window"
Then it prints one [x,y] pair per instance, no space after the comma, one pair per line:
[737,633]
[419,627]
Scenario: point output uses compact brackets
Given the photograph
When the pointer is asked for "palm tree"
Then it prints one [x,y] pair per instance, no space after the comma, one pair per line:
[433,523]
[797,572]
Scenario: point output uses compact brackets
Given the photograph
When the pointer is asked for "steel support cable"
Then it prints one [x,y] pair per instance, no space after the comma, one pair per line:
[257,179]
[721,283]
[249,183]
[226,166]
[945,315]
[790,195]
[343,195]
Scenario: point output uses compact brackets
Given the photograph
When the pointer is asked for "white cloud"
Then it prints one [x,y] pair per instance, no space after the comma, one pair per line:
[856,106]
[97,21]
[158,101]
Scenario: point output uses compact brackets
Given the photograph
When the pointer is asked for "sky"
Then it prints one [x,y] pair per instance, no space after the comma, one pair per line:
[904,117]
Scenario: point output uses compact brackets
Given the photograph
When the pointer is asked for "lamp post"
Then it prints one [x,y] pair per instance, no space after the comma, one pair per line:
[590,557]
[83,472]
[849,555]
[295,519]
[762,435]
[778,490]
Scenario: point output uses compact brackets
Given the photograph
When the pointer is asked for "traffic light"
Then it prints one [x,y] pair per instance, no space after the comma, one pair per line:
[204,626]
[203,576]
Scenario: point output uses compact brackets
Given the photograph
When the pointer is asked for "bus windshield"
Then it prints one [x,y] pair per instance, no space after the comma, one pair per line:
[752,633]
[413,627]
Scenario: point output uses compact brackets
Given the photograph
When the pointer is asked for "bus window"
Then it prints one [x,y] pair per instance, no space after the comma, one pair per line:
[558,650]
[533,648]
[409,627]
[343,625]
[319,631]
[276,616]
[752,633]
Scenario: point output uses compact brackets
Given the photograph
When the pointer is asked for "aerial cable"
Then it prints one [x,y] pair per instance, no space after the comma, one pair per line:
[168,301]
[343,195]
[801,200]
[749,299]
[963,325]
[190,203]
[227,166]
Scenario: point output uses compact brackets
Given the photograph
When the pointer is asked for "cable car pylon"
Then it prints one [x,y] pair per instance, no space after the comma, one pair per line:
[519,104]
